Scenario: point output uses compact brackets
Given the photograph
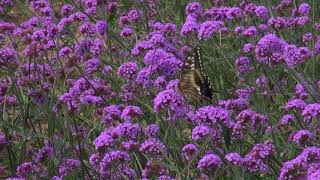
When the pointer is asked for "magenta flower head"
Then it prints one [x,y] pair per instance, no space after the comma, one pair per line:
[269,49]
[209,28]
[190,26]
[8,58]
[194,8]
[294,56]
[126,32]
[248,47]
[151,130]
[234,13]
[25,168]
[262,12]
[91,65]
[153,147]
[243,65]
[134,15]
[295,104]
[209,162]
[189,151]
[277,22]
[234,158]
[286,119]
[304,9]
[211,115]
[297,167]
[101,27]
[127,70]
[171,100]
[131,112]
[199,132]
[311,111]
[302,137]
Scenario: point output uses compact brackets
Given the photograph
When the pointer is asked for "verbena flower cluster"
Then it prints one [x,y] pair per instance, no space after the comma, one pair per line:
[90,89]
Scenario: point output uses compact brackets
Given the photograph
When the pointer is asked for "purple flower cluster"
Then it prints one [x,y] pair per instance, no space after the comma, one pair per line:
[90,90]
[172,101]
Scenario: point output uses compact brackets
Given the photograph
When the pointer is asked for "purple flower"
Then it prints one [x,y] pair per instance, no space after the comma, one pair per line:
[101,27]
[131,112]
[189,151]
[295,104]
[144,75]
[262,12]
[110,113]
[249,47]
[105,139]
[151,130]
[311,111]
[237,104]
[45,153]
[126,32]
[238,29]
[127,70]
[113,159]
[194,8]
[87,28]
[297,167]
[153,56]
[95,160]
[243,65]
[286,119]
[160,83]
[65,51]
[8,58]
[294,55]
[234,13]
[133,15]
[251,31]
[304,9]
[199,132]
[172,100]
[277,22]
[301,21]
[307,37]
[301,93]
[211,115]
[129,146]
[254,160]
[302,137]
[234,158]
[249,117]
[153,147]
[269,48]
[209,162]
[91,65]
[208,28]
[25,168]
[128,130]
[189,26]
[262,27]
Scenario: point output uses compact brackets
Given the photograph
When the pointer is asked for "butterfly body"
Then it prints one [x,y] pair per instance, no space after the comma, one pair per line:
[193,82]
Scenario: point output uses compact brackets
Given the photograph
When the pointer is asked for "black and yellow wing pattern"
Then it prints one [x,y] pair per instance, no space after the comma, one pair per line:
[193,82]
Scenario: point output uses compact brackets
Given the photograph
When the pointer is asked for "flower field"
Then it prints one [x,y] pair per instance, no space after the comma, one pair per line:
[160,89]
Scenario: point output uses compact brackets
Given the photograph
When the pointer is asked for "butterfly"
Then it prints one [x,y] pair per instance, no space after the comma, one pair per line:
[193,82]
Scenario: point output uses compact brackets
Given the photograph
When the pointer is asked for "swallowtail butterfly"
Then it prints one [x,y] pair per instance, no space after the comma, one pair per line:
[193,82]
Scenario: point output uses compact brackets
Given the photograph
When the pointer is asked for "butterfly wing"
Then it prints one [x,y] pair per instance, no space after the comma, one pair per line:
[193,81]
